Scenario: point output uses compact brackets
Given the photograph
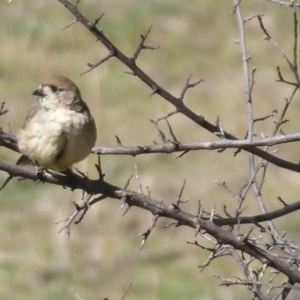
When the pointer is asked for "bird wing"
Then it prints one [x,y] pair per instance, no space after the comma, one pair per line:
[33,109]
[62,145]
[24,160]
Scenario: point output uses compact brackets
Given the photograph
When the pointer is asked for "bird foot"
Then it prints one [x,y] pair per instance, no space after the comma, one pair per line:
[40,173]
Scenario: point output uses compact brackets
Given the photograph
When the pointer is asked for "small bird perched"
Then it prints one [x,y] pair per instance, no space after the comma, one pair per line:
[59,129]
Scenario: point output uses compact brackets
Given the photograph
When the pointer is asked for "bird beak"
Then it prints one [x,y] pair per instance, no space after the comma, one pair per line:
[38,92]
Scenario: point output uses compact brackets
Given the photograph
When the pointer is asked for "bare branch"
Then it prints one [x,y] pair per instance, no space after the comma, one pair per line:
[149,230]
[130,285]
[70,24]
[268,37]
[179,201]
[93,66]
[178,103]
[286,3]
[97,20]
[167,116]
[160,132]
[142,46]
[189,85]
[2,109]
[140,188]
[70,220]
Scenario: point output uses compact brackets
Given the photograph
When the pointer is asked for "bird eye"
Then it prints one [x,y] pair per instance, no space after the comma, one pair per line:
[55,89]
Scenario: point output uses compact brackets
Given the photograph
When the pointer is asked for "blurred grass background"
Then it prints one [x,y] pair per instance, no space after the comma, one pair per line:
[101,257]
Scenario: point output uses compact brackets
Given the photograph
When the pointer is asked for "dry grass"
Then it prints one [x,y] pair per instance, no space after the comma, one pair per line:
[100,260]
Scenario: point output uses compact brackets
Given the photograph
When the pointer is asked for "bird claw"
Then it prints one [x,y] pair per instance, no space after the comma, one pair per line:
[40,174]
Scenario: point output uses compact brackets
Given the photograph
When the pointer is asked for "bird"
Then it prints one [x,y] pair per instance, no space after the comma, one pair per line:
[59,129]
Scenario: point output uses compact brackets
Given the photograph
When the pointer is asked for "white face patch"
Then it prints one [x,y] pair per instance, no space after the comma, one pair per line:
[50,101]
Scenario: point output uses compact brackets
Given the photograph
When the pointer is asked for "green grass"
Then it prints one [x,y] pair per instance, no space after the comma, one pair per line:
[101,258]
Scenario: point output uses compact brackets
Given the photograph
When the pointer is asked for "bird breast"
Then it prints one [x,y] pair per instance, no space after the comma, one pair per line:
[57,138]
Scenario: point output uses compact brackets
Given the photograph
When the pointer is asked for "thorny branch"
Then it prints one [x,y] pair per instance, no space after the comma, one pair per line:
[9,141]
[226,242]
[155,87]
[257,188]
